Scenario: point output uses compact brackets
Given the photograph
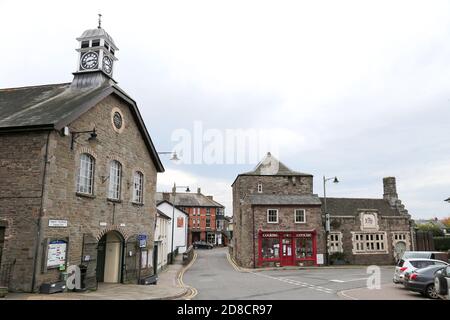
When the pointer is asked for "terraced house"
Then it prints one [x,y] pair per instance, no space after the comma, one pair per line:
[78,176]
[279,221]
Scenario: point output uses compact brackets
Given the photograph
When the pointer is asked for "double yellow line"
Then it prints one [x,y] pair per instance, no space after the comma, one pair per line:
[192,292]
[234,264]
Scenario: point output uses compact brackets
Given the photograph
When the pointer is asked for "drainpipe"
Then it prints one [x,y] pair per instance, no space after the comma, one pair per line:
[253,235]
[41,213]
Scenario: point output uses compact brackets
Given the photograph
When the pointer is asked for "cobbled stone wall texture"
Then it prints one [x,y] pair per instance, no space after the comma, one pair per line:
[21,171]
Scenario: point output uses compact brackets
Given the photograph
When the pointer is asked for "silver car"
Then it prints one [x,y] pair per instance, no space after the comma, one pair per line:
[409,265]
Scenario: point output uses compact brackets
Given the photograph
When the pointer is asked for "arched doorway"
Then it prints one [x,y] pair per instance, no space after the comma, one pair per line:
[110,257]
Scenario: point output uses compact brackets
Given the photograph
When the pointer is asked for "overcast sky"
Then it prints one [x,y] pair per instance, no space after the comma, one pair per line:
[357,89]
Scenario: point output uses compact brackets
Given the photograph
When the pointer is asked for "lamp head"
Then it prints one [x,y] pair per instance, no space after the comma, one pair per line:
[93,136]
[335,180]
[174,157]
[188,190]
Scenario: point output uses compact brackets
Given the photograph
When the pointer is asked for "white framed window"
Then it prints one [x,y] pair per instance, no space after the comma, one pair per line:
[369,242]
[115,178]
[85,182]
[335,242]
[299,216]
[272,215]
[259,187]
[138,187]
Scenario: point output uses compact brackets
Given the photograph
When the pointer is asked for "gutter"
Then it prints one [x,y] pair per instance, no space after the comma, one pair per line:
[41,213]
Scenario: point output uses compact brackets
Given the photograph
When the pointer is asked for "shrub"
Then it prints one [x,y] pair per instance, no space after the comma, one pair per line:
[442,243]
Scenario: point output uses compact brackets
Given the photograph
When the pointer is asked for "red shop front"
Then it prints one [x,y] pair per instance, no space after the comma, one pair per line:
[287,248]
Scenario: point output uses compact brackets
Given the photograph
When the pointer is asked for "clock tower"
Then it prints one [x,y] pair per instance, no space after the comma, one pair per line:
[96,53]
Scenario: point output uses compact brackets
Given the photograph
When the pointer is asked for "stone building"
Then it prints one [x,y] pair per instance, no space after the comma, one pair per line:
[77,177]
[203,213]
[279,221]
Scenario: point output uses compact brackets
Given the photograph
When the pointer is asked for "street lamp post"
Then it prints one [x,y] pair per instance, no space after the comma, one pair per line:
[173,153]
[327,216]
[174,192]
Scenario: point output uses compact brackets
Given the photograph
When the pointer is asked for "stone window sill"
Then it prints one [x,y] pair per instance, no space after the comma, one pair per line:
[114,200]
[138,204]
[85,195]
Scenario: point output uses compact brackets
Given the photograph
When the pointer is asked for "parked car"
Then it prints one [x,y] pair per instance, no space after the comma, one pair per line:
[442,283]
[425,255]
[409,265]
[422,281]
[202,245]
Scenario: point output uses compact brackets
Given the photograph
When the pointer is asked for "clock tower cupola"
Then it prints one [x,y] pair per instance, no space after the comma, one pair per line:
[97,52]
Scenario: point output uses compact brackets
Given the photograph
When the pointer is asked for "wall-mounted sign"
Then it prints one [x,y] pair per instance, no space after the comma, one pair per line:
[180,222]
[56,253]
[103,224]
[303,235]
[57,223]
[142,239]
[269,235]
[122,225]
[319,258]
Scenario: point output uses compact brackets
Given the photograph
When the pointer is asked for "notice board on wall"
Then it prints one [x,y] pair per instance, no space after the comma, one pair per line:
[56,253]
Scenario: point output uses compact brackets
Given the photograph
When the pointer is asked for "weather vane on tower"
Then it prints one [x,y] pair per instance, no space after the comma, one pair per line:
[99,20]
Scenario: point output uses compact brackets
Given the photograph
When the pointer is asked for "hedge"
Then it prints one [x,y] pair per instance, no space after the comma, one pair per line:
[442,243]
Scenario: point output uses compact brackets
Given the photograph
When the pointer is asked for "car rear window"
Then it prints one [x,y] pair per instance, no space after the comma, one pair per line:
[421,264]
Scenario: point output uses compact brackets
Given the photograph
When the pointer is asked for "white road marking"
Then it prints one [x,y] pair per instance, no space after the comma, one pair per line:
[342,281]
[296,283]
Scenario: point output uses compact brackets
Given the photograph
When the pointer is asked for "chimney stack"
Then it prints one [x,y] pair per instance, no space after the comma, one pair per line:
[210,197]
[166,196]
[390,190]
[199,190]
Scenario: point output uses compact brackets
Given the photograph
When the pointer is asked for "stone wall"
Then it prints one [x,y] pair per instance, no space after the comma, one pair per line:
[22,158]
[21,169]
[243,212]
[348,224]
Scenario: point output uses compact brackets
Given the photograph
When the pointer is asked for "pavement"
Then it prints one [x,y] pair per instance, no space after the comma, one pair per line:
[169,286]
[215,276]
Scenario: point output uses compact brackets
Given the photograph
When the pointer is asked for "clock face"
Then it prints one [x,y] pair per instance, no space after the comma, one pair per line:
[107,64]
[89,60]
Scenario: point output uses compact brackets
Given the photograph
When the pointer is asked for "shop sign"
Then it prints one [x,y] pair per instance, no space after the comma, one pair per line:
[269,235]
[303,235]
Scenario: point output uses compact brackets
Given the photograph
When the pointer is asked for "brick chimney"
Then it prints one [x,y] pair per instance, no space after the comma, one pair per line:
[390,190]
[199,191]
[166,196]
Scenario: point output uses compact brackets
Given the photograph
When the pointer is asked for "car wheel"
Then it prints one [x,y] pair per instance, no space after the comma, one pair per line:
[430,292]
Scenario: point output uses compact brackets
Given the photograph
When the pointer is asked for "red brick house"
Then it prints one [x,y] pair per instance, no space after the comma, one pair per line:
[204,215]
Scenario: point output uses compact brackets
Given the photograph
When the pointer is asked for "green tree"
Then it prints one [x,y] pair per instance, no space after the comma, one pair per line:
[430,227]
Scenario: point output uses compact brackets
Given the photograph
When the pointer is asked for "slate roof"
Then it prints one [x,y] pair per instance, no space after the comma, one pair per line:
[271,166]
[158,202]
[163,215]
[350,206]
[186,199]
[97,33]
[54,106]
[269,199]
